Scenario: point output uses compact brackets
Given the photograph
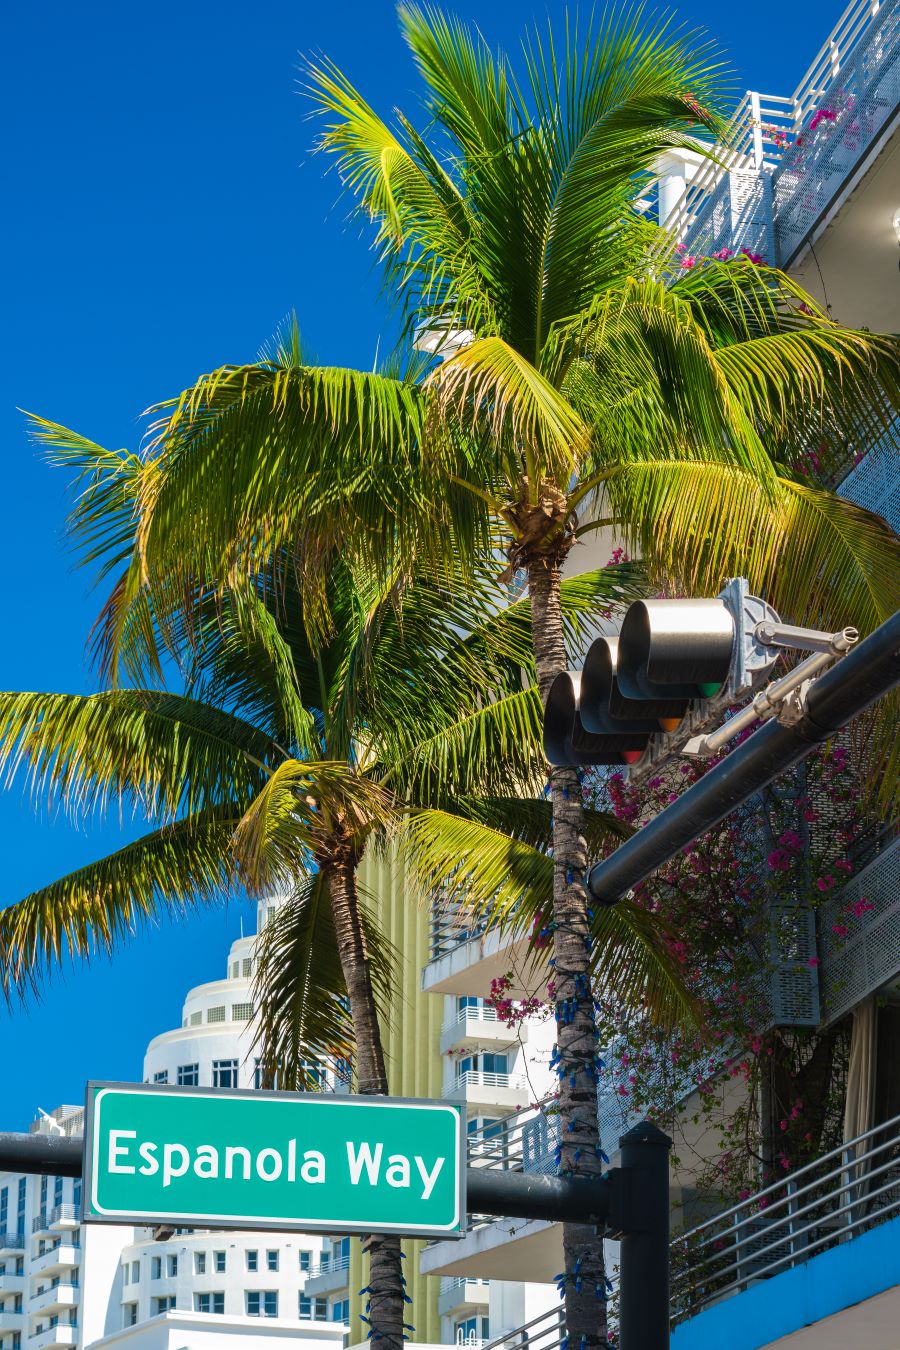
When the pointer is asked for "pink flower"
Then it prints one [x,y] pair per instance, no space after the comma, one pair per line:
[723,254]
[862,907]
[744,1194]
[825,883]
[840,930]
[688,262]
[813,962]
[755,258]
[779,860]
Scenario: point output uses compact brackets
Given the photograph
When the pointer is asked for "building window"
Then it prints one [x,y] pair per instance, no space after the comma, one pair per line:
[235,970]
[58,1191]
[218,1262]
[305,1260]
[20,1214]
[161,1305]
[196,1018]
[130,1318]
[171,1266]
[162,1076]
[210,1303]
[155,1267]
[216,1014]
[314,1071]
[313,1309]
[252,1260]
[199,1263]
[340,1310]
[241,1012]
[262,1303]
[472,1329]
[225,1073]
[272,1260]
[135,1271]
[4,1208]
[248,967]
[483,1064]
[188,1075]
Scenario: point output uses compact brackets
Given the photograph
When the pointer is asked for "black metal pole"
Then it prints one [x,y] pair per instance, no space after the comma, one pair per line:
[847,689]
[522,1195]
[644,1260]
[519,1195]
[51,1154]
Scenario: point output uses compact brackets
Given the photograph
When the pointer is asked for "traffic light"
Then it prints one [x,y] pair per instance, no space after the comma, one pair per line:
[672,664]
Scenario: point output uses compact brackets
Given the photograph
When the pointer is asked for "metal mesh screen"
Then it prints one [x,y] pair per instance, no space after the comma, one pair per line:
[855,965]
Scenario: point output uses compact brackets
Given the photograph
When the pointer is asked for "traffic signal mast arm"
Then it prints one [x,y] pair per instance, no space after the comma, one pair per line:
[675,668]
[786,698]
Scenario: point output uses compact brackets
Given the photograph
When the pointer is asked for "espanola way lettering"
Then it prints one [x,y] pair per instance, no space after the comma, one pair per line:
[273,1160]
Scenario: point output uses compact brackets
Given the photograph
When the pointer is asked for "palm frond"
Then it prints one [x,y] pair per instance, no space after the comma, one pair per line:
[96,907]
[166,754]
[490,874]
[299,995]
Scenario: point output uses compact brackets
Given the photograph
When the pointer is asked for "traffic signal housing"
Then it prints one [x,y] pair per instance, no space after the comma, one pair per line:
[673,664]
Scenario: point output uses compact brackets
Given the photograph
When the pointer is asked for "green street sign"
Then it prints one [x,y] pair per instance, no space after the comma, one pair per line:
[217,1158]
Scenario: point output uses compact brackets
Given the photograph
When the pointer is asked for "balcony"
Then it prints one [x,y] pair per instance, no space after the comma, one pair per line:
[792,164]
[64,1217]
[789,1255]
[467,954]
[59,1335]
[475,1027]
[482,1088]
[12,1284]
[61,1257]
[11,1243]
[458,1293]
[57,1298]
[327,1276]
[11,1321]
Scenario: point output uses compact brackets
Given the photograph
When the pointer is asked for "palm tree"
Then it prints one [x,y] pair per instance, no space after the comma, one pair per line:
[280,762]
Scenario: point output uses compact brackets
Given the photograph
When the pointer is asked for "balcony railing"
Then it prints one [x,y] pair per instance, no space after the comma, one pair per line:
[465,1015]
[484,1078]
[777,175]
[12,1242]
[64,1214]
[327,1265]
[451,926]
[838,1196]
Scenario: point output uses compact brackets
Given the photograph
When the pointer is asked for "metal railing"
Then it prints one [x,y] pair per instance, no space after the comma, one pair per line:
[451,926]
[768,132]
[12,1241]
[65,1213]
[475,1078]
[327,1265]
[860,928]
[547,1331]
[844,1193]
[465,1015]
[449,1283]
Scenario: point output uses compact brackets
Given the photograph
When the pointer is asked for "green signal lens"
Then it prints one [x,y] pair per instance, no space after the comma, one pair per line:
[709,690]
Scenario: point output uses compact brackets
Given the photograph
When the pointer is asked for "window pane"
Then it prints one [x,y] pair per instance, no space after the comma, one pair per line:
[188,1075]
[216,1014]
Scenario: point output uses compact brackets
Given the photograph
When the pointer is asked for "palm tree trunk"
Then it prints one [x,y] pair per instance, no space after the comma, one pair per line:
[386,1283]
[585,1279]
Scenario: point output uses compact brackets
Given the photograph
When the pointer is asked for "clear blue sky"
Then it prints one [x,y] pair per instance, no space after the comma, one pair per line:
[161,213]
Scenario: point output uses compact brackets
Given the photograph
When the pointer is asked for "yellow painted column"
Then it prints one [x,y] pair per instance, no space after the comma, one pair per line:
[411,1033]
